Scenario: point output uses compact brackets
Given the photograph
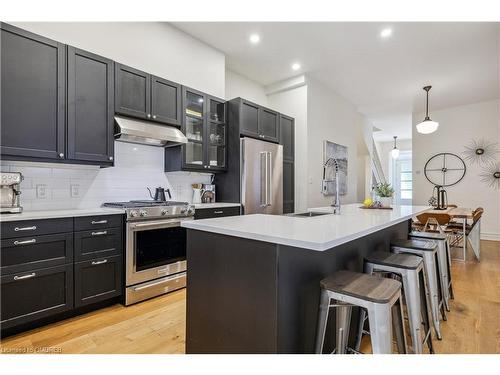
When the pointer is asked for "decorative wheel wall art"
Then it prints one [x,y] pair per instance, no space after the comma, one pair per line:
[491,174]
[481,151]
[445,169]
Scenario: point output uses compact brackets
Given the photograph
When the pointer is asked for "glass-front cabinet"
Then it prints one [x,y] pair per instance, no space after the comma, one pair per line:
[204,124]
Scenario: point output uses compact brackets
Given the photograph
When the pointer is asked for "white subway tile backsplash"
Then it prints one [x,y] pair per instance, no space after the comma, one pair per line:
[136,167]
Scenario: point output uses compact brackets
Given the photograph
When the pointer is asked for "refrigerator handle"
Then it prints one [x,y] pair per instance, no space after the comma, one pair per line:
[269,178]
[263,179]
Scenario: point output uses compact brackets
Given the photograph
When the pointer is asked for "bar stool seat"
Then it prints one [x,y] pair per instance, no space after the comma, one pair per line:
[410,269]
[360,285]
[381,297]
[428,251]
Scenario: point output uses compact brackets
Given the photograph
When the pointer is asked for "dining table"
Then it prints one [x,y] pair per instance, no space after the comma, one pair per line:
[463,215]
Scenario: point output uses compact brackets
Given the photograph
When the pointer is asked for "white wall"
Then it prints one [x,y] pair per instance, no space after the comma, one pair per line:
[294,103]
[331,117]
[384,151]
[457,127]
[155,47]
[240,86]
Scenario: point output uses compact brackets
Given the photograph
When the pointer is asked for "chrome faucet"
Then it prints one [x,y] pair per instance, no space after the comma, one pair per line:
[332,162]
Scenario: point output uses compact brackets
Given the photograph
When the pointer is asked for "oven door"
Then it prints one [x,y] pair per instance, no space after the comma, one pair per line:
[155,249]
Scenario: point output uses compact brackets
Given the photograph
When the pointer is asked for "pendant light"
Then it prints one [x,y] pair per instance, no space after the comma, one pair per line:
[427,126]
[395,151]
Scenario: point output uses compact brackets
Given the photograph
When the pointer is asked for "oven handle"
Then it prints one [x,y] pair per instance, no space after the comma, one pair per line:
[157,224]
[163,281]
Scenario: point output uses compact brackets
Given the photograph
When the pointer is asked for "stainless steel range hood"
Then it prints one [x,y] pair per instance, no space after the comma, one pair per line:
[147,133]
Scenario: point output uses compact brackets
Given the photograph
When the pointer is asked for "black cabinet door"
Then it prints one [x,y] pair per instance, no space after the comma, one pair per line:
[269,125]
[166,97]
[132,92]
[249,119]
[215,139]
[287,137]
[98,243]
[90,106]
[288,187]
[32,95]
[208,213]
[97,280]
[31,295]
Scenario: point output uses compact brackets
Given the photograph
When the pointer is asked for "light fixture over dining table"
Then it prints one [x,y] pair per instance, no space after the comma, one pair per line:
[427,126]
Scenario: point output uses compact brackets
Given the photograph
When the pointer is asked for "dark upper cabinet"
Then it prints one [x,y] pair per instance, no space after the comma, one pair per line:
[287,139]
[32,95]
[132,92]
[204,124]
[249,119]
[142,95]
[32,295]
[269,123]
[166,99]
[90,106]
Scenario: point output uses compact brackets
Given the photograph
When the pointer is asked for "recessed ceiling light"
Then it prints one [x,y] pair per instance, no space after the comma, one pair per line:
[295,66]
[254,38]
[386,33]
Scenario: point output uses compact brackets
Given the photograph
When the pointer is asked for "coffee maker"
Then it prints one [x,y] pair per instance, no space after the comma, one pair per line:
[10,189]
[208,195]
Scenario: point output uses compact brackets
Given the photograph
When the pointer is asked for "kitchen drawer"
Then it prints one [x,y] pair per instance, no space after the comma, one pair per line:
[98,243]
[23,228]
[98,280]
[27,253]
[32,295]
[98,221]
[206,213]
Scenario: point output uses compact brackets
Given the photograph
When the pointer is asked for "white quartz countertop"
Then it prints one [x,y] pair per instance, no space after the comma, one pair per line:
[199,206]
[52,214]
[316,233]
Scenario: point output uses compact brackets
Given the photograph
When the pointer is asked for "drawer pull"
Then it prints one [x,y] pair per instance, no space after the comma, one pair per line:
[102,233]
[96,263]
[24,242]
[218,212]
[24,277]
[98,222]
[17,229]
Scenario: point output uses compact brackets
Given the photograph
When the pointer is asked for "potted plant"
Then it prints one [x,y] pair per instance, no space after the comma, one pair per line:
[384,192]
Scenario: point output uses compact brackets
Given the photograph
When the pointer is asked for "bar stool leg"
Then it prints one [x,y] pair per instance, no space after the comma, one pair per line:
[425,311]
[368,269]
[399,326]
[343,322]
[432,287]
[379,318]
[448,258]
[443,273]
[412,299]
[324,309]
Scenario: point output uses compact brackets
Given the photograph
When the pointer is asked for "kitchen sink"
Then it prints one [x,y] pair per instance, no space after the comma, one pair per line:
[311,214]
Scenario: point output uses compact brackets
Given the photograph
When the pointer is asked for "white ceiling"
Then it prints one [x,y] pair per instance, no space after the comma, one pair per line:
[382,77]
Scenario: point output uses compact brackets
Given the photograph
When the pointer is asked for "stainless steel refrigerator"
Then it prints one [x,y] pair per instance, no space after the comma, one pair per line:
[261,177]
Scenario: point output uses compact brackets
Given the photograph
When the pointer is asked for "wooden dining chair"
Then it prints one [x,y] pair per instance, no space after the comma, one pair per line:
[434,222]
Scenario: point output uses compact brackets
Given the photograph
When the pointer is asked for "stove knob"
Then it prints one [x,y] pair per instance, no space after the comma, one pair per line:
[143,213]
[133,213]
[183,210]
[164,212]
[190,210]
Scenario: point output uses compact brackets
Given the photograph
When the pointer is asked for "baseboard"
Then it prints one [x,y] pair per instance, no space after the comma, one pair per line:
[490,236]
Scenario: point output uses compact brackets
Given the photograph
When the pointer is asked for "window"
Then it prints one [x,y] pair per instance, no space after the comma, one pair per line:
[402,178]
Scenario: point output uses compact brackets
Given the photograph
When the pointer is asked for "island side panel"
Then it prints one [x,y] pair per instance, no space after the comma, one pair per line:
[231,294]
[299,274]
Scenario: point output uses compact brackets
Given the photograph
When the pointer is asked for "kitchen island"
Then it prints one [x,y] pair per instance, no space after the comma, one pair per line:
[253,281]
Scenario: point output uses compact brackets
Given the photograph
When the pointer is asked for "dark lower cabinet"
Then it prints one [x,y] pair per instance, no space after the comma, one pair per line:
[97,280]
[32,95]
[90,106]
[208,213]
[29,296]
[98,243]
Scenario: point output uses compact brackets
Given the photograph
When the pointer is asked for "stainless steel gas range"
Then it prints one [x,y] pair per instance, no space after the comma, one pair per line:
[155,247]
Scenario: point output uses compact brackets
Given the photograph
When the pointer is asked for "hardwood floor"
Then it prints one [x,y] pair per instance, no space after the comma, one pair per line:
[158,325]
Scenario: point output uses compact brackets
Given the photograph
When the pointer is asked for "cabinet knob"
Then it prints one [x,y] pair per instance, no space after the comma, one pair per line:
[154,116]
[111,158]
[61,155]
[149,115]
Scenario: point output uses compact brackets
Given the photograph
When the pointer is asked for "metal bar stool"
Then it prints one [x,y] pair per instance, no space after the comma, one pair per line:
[444,258]
[410,269]
[381,297]
[428,251]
